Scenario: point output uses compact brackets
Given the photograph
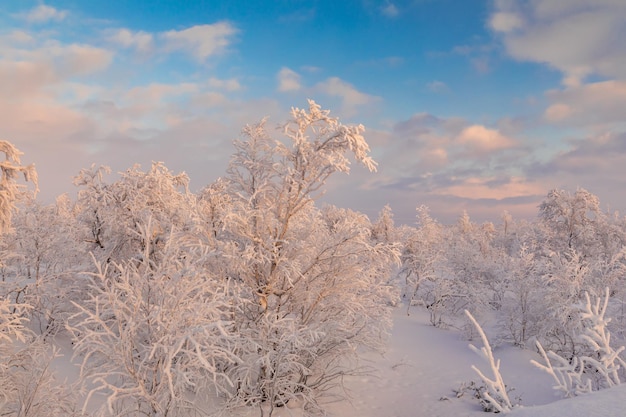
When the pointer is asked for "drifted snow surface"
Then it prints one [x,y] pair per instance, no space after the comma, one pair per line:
[423,365]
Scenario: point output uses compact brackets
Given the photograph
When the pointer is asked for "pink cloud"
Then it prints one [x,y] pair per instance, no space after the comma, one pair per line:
[484,140]
[492,188]
[600,103]
[83,59]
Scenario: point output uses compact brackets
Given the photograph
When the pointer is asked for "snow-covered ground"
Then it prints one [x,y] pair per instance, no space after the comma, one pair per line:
[423,365]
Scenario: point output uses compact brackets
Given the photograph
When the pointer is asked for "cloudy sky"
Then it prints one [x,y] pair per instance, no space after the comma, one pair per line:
[476,105]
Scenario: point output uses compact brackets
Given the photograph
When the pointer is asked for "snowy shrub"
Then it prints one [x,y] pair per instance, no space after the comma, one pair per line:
[575,221]
[495,396]
[30,387]
[598,365]
[155,334]
[27,384]
[609,366]
[47,257]
[568,374]
[422,256]
[110,213]
[568,277]
[523,304]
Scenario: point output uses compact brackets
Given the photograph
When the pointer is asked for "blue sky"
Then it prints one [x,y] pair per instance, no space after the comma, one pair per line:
[472,105]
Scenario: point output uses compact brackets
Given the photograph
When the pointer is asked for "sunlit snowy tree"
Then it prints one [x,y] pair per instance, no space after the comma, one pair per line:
[313,284]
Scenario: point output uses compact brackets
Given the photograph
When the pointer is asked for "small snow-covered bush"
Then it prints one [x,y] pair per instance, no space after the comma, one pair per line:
[154,334]
[598,365]
[495,396]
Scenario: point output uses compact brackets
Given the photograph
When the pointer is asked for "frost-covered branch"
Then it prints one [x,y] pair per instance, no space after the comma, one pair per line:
[496,394]
[568,375]
[598,366]
[596,336]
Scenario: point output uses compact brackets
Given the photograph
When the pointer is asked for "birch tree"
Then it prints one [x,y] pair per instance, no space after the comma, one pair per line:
[313,284]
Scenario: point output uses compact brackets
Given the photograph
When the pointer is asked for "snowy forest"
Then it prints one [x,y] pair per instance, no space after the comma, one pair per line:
[251,297]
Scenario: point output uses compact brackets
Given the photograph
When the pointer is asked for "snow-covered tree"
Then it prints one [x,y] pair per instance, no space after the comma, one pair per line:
[10,190]
[607,361]
[27,385]
[523,306]
[575,220]
[383,228]
[47,256]
[312,283]
[111,212]
[155,335]
[422,256]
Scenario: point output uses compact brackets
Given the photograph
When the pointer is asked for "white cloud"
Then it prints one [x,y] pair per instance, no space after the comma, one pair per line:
[390,10]
[201,41]
[431,151]
[26,73]
[479,55]
[141,41]
[44,13]
[438,86]
[231,84]
[595,104]
[579,37]
[83,59]
[154,94]
[22,79]
[505,22]
[558,112]
[310,68]
[288,80]
[351,98]
[19,37]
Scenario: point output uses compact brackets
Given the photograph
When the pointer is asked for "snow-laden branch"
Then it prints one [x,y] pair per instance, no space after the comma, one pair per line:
[606,360]
[495,395]
[599,367]
[567,375]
